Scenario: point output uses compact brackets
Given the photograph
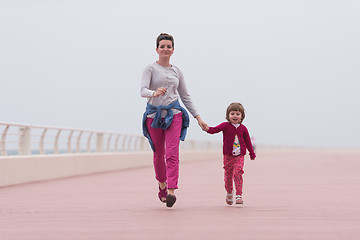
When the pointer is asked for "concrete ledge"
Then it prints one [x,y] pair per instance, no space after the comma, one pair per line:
[24,169]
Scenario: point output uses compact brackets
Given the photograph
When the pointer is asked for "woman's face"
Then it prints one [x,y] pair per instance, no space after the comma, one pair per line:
[165,48]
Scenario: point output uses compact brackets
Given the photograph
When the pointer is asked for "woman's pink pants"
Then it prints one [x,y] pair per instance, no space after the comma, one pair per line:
[166,155]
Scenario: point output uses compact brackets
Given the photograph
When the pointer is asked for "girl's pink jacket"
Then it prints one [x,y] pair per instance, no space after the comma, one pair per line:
[229,132]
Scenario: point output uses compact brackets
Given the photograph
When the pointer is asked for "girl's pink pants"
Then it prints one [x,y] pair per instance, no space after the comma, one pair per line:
[166,155]
[233,166]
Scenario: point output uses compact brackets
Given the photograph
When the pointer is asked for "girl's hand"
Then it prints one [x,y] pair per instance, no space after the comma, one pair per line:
[206,127]
[201,123]
[159,92]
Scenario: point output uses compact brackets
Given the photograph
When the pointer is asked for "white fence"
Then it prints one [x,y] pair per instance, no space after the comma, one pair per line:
[31,153]
[25,139]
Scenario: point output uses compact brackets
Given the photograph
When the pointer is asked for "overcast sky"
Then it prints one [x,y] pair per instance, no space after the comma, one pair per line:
[294,65]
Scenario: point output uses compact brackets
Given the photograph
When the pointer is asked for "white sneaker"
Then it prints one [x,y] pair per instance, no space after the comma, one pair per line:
[238,199]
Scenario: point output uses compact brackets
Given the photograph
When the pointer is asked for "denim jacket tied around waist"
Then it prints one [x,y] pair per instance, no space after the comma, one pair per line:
[165,122]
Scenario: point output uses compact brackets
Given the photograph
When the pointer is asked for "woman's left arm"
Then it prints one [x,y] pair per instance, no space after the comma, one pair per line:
[186,99]
[184,95]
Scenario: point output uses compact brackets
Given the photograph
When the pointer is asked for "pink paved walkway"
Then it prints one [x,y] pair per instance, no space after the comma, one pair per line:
[288,195]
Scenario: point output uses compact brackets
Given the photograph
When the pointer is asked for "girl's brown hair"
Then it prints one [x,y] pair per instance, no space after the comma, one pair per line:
[164,36]
[235,107]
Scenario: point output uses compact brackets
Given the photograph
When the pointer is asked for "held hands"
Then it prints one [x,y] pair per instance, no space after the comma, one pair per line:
[159,92]
[201,123]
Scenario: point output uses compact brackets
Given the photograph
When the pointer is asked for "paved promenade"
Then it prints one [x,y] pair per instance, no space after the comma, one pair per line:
[287,195]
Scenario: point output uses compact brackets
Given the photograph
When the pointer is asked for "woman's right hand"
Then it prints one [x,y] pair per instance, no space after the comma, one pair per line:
[159,92]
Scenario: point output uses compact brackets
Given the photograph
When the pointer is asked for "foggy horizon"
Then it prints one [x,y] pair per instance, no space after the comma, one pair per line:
[293,65]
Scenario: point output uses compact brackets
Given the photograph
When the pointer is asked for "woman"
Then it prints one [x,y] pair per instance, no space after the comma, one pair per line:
[165,121]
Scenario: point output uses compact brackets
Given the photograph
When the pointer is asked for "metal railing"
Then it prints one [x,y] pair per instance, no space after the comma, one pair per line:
[25,139]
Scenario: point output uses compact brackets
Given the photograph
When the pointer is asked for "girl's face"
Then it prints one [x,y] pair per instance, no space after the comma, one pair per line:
[165,48]
[235,117]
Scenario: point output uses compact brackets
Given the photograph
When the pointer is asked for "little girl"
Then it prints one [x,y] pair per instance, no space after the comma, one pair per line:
[235,141]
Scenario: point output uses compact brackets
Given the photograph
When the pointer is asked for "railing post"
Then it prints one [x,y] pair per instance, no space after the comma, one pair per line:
[88,147]
[116,146]
[142,143]
[69,141]
[41,145]
[56,142]
[108,148]
[78,142]
[123,145]
[99,142]
[129,142]
[3,139]
[137,143]
[24,141]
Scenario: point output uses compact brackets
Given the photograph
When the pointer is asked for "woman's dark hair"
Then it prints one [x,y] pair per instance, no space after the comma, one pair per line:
[235,107]
[164,36]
